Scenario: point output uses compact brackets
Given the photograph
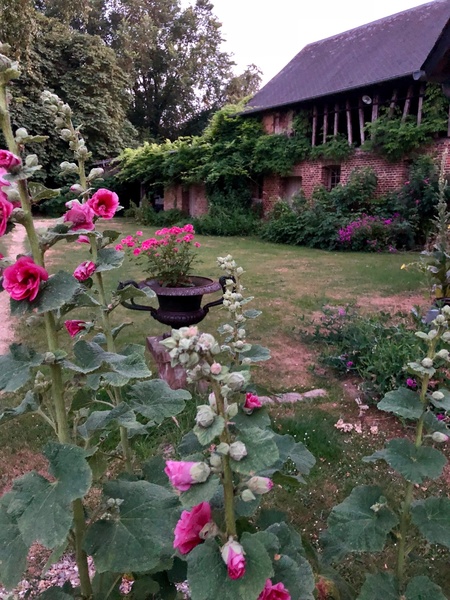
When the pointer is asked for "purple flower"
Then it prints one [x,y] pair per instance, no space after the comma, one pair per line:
[412,383]
[349,364]
[440,417]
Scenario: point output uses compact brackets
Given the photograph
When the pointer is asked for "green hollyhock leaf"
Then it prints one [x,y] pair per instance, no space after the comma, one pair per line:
[418,369]
[262,451]
[55,593]
[432,518]
[39,192]
[15,367]
[259,418]
[143,524]
[433,424]
[289,539]
[105,586]
[444,403]
[334,549]
[99,420]
[43,508]
[252,313]
[189,445]
[403,403]
[13,549]
[361,522]
[246,509]
[109,236]
[207,572]
[155,400]
[200,492]
[153,471]
[379,585]
[56,292]
[296,576]
[256,353]
[130,291]
[108,259]
[288,448]
[415,464]
[206,435]
[422,588]
[28,404]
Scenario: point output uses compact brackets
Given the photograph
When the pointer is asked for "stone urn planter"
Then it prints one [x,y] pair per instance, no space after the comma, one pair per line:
[178,306]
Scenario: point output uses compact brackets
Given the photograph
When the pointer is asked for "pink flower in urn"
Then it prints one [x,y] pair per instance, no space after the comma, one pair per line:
[104,203]
[188,528]
[84,270]
[80,215]
[74,327]
[274,592]
[184,474]
[6,209]
[8,160]
[23,279]
[233,557]
[251,402]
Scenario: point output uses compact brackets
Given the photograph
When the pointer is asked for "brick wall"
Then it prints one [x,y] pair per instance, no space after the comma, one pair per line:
[391,176]
[192,200]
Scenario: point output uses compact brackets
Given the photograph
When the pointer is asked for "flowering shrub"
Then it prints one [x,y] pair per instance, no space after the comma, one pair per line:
[168,257]
[375,234]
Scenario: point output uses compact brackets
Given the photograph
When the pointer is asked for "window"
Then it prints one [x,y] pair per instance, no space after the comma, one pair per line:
[331,176]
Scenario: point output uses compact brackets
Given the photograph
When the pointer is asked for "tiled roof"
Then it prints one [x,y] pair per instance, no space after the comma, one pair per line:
[386,49]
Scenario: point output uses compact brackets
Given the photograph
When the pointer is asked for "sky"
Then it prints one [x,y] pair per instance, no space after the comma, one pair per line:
[269,33]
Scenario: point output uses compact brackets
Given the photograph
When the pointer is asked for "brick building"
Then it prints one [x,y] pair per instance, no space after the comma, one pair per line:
[342,82]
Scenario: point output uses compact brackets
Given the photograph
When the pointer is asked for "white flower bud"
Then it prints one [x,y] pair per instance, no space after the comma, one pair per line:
[238,451]
[235,381]
[445,310]
[248,496]
[439,437]
[259,485]
[66,134]
[239,345]
[427,363]
[239,270]
[212,401]
[223,448]
[232,410]
[443,354]
[432,334]
[246,361]
[76,188]
[200,472]
[205,416]
[95,173]
[215,461]
[437,396]
[31,160]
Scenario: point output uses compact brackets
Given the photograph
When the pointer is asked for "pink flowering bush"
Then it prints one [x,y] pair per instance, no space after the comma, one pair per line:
[376,234]
[168,257]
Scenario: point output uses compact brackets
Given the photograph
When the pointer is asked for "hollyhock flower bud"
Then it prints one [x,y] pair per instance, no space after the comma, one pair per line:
[443,354]
[104,203]
[238,451]
[212,401]
[427,363]
[248,496]
[22,279]
[437,396]
[74,327]
[223,448]
[95,173]
[6,209]
[205,416]
[232,410]
[251,402]
[274,592]
[84,270]
[184,474]
[80,215]
[216,368]
[235,381]
[439,437]
[8,160]
[191,524]
[21,134]
[76,188]
[207,343]
[83,239]
[233,556]
[259,485]
[215,461]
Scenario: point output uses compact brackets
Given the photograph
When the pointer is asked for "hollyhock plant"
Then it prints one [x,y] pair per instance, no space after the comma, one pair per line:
[233,556]
[184,474]
[22,280]
[104,203]
[259,485]
[8,160]
[251,402]
[6,209]
[84,270]
[74,327]
[80,215]
[188,528]
[274,592]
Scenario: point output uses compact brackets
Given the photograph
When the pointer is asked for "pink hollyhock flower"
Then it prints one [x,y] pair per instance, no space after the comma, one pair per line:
[139,233]
[259,485]
[83,239]
[8,160]
[216,368]
[80,215]
[188,528]
[233,557]
[84,270]
[74,327]
[274,592]
[251,402]
[6,209]
[104,203]
[184,474]
[22,279]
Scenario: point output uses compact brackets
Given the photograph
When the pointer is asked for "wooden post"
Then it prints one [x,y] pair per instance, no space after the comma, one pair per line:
[325,123]
[336,120]
[420,104]
[393,103]
[349,122]
[314,126]
[374,111]
[361,121]
[407,103]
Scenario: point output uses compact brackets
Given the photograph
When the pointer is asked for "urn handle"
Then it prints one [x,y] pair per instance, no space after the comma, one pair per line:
[218,302]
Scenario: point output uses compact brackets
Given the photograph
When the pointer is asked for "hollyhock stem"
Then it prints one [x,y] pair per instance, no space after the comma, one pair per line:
[52,341]
[111,346]
[227,480]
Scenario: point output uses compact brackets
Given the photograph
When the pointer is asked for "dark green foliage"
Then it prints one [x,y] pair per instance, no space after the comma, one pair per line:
[375,347]
[147,215]
[335,148]
[224,221]
[279,153]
